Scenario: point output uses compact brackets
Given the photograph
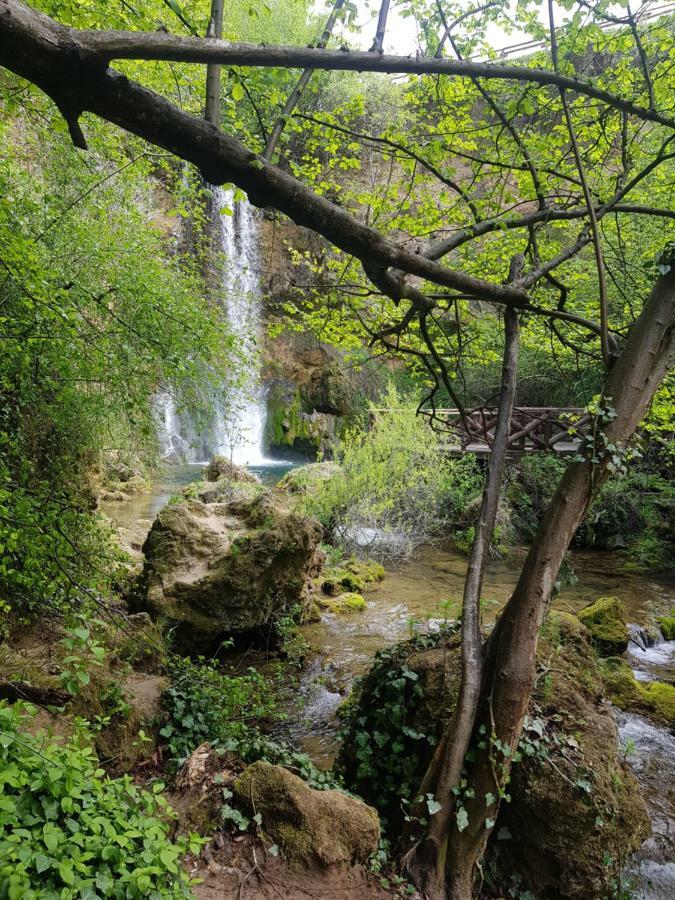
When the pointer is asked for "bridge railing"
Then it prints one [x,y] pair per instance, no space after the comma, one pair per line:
[532,428]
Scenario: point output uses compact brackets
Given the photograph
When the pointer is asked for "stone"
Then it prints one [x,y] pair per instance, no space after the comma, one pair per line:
[654,699]
[346,603]
[605,619]
[667,625]
[220,467]
[311,828]
[306,479]
[570,806]
[223,568]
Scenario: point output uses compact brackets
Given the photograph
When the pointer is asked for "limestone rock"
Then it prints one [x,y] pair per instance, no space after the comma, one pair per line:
[220,467]
[320,828]
[223,568]
[607,624]
[563,819]
[306,479]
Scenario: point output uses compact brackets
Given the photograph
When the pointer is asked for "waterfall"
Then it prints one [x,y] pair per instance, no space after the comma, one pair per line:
[237,429]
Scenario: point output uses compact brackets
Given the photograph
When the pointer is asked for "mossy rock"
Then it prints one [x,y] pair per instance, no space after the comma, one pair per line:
[661,697]
[309,478]
[563,819]
[352,575]
[667,625]
[344,604]
[312,828]
[653,699]
[220,467]
[605,619]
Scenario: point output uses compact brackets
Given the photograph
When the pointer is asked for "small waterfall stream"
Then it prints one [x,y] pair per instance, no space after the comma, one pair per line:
[238,424]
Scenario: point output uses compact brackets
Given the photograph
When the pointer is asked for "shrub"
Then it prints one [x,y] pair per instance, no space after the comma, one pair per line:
[396,488]
[205,704]
[66,830]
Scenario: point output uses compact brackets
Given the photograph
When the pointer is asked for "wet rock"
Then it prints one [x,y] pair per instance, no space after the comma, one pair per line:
[312,828]
[667,625]
[605,619]
[344,603]
[654,699]
[223,568]
[352,575]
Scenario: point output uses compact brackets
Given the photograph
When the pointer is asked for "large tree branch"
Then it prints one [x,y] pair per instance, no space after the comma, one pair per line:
[38,49]
[100,47]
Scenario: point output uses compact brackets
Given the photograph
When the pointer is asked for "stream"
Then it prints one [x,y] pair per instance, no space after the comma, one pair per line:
[424,591]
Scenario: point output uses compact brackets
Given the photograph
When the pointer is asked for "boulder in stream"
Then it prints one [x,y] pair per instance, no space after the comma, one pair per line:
[217,569]
[574,802]
[606,621]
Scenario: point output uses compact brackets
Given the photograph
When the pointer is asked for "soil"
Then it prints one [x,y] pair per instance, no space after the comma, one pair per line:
[241,869]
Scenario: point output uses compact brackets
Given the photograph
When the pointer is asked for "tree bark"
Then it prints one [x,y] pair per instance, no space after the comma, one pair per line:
[445,769]
[510,656]
[214,32]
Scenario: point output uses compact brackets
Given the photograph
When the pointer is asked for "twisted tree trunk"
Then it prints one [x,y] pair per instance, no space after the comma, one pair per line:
[510,653]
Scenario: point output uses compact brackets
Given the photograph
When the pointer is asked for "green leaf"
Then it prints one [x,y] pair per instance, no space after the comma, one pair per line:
[462,818]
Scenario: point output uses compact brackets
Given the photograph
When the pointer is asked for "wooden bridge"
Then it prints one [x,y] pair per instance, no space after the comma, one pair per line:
[533,429]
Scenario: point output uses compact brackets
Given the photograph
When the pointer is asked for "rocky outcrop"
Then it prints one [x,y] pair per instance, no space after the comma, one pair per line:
[310,827]
[574,802]
[215,569]
[222,468]
[605,619]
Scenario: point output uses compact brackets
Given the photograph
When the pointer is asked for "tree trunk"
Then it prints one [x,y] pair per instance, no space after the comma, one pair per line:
[214,32]
[445,768]
[509,666]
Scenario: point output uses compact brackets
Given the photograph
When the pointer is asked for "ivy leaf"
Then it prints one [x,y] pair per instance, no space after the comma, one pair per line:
[462,818]
[433,806]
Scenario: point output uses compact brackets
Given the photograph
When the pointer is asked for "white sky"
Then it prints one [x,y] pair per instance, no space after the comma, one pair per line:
[401,36]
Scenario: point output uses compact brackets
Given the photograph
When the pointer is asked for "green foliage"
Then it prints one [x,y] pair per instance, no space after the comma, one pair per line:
[206,704]
[98,309]
[66,830]
[82,651]
[382,758]
[395,481]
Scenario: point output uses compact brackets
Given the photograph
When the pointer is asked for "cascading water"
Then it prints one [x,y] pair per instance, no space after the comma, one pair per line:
[237,429]
[240,427]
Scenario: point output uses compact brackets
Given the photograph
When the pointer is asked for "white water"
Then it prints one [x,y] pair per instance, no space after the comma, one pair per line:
[238,425]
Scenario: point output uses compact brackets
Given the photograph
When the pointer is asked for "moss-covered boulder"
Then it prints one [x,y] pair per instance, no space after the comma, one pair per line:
[214,569]
[310,827]
[606,621]
[573,799]
[352,575]
[291,422]
[654,699]
[343,604]
[667,625]
[309,478]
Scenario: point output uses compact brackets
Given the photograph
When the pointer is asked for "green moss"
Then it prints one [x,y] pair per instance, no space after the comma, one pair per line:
[621,686]
[667,625]
[606,622]
[286,421]
[661,698]
[654,699]
[347,603]
[367,570]
[353,575]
